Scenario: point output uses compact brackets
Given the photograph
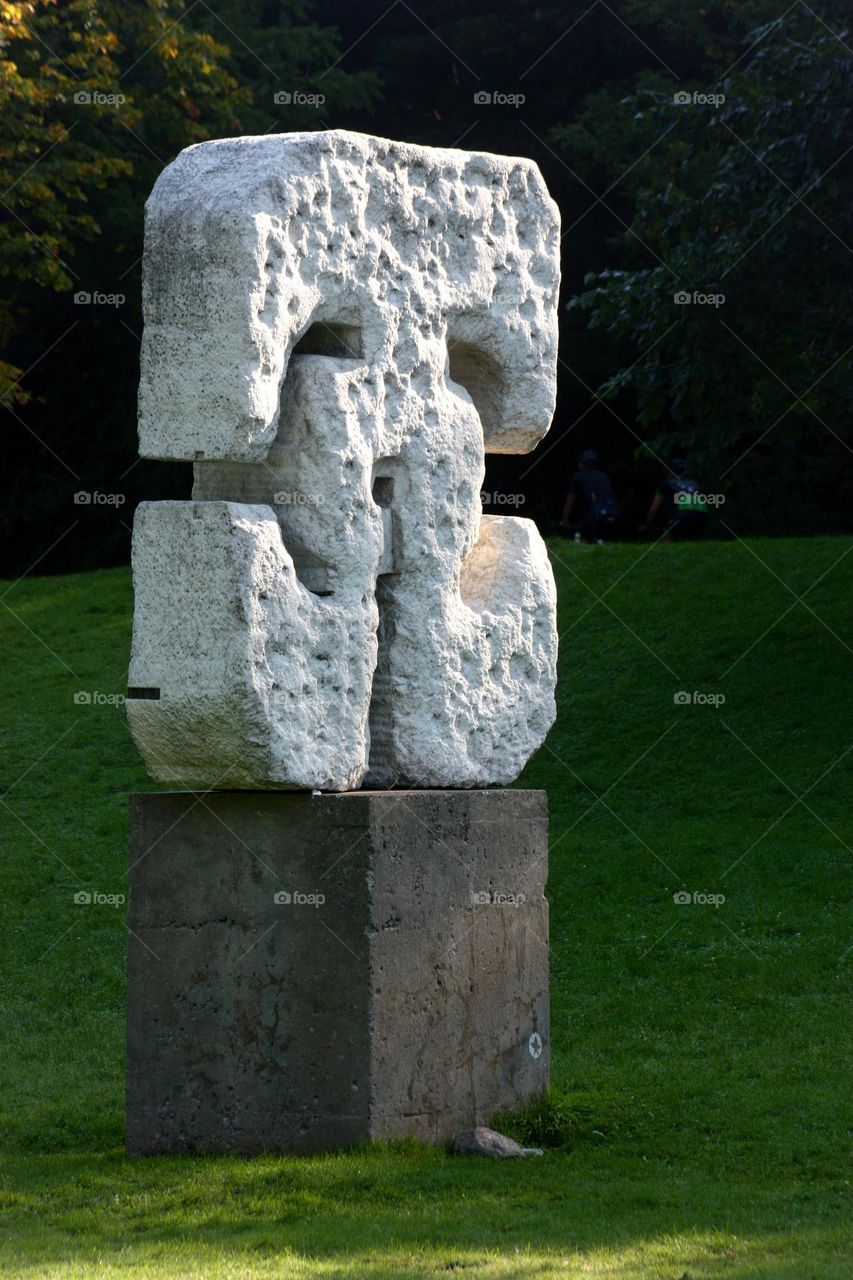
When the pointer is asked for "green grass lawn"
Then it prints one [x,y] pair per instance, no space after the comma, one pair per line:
[698,1121]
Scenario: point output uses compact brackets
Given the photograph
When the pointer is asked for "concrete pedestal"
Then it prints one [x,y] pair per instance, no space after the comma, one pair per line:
[307,971]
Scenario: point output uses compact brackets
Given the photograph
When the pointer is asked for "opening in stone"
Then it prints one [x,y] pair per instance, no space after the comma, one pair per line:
[322,339]
[383,491]
[482,377]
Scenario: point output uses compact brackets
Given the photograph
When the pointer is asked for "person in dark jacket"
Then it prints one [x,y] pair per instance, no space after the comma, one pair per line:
[680,504]
[590,509]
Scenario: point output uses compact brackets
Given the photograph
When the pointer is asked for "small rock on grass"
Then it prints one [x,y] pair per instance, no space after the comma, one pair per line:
[488,1142]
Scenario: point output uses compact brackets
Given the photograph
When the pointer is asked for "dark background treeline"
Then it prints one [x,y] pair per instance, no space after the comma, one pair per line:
[698,151]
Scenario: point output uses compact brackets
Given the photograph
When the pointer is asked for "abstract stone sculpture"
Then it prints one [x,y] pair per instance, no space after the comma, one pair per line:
[337,328]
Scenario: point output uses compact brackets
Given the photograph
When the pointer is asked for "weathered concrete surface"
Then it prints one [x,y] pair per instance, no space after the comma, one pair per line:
[413,1000]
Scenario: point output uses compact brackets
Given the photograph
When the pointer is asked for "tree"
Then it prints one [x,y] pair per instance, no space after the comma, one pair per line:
[726,313]
[71,122]
[97,97]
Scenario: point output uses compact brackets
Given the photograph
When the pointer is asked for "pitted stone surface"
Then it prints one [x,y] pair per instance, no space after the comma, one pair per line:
[405,251]
[336,328]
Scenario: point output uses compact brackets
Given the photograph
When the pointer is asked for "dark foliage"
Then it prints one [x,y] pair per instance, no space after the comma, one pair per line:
[742,197]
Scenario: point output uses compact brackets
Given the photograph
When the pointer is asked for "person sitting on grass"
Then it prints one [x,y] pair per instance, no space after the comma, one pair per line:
[590,497]
[685,512]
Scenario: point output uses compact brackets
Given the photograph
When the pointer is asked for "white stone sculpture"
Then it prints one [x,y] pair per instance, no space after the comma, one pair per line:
[337,328]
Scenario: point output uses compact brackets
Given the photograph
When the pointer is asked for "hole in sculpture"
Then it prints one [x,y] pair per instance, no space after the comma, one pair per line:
[481,376]
[383,491]
[322,339]
[275,482]
[337,340]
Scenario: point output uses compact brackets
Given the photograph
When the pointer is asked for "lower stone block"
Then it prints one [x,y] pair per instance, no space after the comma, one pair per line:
[308,971]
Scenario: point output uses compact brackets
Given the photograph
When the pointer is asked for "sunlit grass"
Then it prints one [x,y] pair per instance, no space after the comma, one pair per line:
[699,1107]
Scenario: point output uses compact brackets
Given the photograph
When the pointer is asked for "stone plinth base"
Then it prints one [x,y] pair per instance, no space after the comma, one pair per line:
[308,971]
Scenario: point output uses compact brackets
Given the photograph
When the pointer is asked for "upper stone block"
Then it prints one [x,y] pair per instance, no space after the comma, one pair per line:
[422,262]
[337,327]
